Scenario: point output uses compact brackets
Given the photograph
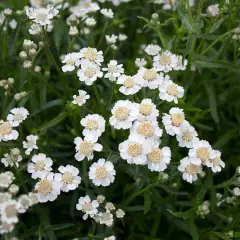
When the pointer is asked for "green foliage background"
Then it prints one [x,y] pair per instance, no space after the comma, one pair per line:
[154,210]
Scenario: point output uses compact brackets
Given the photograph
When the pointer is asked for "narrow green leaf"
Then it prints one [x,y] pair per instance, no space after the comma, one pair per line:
[223,140]
[58,227]
[147,201]
[217,25]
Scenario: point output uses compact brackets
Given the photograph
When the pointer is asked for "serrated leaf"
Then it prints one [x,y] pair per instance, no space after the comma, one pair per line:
[147,201]
[184,215]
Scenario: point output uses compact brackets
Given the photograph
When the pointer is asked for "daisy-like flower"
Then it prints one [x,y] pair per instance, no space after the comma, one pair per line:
[107,12]
[152,49]
[81,98]
[10,160]
[140,62]
[9,211]
[92,55]
[147,111]
[181,65]
[6,228]
[124,113]
[25,202]
[200,153]
[187,136]
[94,125]
[17,116]
[68,177]
[5,197]
[111,39]
[158,159]
[6,131]
[215,162]
[89,73]
[113,70]
[6,179]
[71,60]
[173,121]
[104,218]
[30,144]
[189,170]
[47,188]
[213,10]
[85,147]
[130,85]
[13,189]
[40,165]
[122,37]
[149,77]
[170,91]
[135,150]
[165,62]
[42,16]
[102,173]
[90,22]
[87,206]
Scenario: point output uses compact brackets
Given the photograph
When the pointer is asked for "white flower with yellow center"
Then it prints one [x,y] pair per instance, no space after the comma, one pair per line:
[165,62]
[91,55]
[187,136]
[68,177]
[135,150]
[114,70]
[130,85]
[42,16]
[6,131]
[173,121]
[181,65]
[6,228]
[81,98]
[71,60]
[200,153]
[40,165]
[47,188]
[123,114]
[152,49]
[147,110]
[158,159]
[17,116]
[215,162]
[85,147]
[89,73]
[102,173]
[149,77]
[6,179]
[10,160]
[93,124]
[30,144]
[87,206]
[170,91]
[189,170]
[9,211]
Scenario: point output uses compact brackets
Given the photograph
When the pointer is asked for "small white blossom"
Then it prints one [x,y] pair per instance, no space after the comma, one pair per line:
[107,12]
[130,85]
[10,160]
[81,98]
[6,179]
[236,191]
[213,10]
[30,143]
[120,213]
[152,49]
[71,60]
[90,22]
[111,39]
[92,55]
[122,37]
[114,70]
[140,62]
[9,211]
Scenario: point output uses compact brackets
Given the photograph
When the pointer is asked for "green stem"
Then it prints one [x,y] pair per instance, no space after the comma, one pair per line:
[4,105]
[103,34]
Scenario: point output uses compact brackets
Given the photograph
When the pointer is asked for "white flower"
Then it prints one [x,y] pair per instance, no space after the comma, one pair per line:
[81,98]
[147,110]
[6,131]
[215,162]
[187,135]
[90,22]
[189,170]
[13,189]
[30,144]
[236,191]
[9,211]
[181,65]
[11,160]
[92,55]
[213,10]
[35,29]
[149,77]
[42,16]
[110,238]
[200,153]
[165,62]
[140,62]
[100,198]
[5,197]
[173,121]
[107,12]
[25,202]
[158,159]
[89,73]
[68,177]
[102,173]
[73,31]
[111,39]
[109,206]
[94,125]
[87,206]
[113,70]
[152,49]
[120,213]
[170,91]
[124,113]
[6,228]
[40,165]
[122,37]
[104,218]
[85,147]
[71,60]
[135,150]
[130,85]
[6,179]
[47,188]
[33,197]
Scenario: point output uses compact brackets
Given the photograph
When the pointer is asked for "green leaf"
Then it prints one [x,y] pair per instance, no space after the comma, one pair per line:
[58,227]
[217,25]
[147,201]
[222,141]
[184,215]
[188,25]
[59,32]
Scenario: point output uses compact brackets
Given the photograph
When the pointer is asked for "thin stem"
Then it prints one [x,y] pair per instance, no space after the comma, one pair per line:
[4,105]
[103,34]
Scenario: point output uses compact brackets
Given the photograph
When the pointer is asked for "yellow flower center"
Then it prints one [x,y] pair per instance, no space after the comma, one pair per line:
[155,155]
[121,113]
[203,153]
[90,72]
[145,129]
[91,54]
[165,60]
[172,89]
[177,119]
[129,82]
[44,187]
[67,178]
[187,136]
[11,211]
[92,125]
[134,149]
[86,147]
[39,165]
[145,109]
[192,169]
[5,128]
[87,207]
[70,61]
[150,75]
[101,172]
